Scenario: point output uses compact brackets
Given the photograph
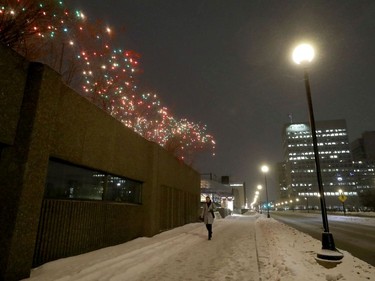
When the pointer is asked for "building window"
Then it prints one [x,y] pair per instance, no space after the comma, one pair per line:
[67,181]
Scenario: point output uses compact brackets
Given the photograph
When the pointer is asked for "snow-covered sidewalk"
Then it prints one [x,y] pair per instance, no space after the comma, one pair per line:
[249,247]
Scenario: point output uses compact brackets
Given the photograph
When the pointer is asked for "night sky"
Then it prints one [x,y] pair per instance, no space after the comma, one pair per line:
[228,64]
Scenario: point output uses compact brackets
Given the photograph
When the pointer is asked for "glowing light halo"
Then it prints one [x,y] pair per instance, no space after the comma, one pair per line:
[265,169]
[303,53]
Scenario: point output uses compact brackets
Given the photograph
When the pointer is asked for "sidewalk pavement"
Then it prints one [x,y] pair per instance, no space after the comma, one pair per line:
[244,248]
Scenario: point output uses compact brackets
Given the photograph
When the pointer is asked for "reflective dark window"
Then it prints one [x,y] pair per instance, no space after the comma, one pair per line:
[122,190]
[66,181]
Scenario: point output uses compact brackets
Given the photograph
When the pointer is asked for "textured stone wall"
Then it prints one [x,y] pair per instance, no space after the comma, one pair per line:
[13,71]
[40,118]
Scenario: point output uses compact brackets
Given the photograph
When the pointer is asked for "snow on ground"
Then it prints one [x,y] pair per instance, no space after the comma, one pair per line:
[249,247]
[290,255]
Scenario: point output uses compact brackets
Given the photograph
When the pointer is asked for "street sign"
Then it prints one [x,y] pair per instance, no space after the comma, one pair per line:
[342,198]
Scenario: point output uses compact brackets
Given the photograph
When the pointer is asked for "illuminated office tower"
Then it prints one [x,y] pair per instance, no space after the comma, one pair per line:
[335,163]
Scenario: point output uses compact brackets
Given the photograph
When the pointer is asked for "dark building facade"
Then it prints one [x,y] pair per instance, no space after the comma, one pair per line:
[363,151]
[73,179]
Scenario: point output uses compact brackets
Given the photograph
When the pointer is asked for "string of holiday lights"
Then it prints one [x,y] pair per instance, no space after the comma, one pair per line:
[82,52]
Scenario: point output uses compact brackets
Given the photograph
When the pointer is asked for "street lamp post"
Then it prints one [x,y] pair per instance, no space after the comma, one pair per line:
[259,187]
[256,199]
[265,169]
[342,201]
[304,54]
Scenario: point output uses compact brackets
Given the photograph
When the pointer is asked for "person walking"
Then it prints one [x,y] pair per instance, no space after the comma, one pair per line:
[208,215]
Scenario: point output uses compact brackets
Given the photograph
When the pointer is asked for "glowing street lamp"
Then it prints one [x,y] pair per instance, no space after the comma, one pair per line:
[303,55]
[265,170]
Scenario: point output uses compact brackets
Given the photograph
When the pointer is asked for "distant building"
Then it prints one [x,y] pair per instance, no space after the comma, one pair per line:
[299,181]
[211,186]
[364,172]
[239,194]
[363,152]
[363,149]
[281,175]
[226,194]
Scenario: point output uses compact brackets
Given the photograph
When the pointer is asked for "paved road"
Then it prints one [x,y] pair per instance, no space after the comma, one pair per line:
[353,234]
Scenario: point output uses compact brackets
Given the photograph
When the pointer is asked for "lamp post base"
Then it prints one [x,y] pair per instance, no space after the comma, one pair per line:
[327,241]
[329,253]
[326,262]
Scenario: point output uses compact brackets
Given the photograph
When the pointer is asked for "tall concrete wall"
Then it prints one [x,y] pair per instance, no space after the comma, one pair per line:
[13,71]
[41,118]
